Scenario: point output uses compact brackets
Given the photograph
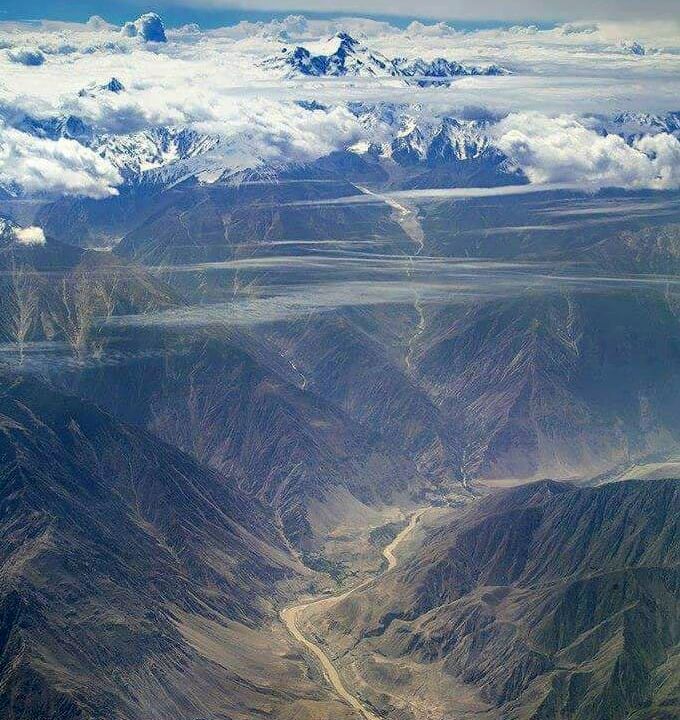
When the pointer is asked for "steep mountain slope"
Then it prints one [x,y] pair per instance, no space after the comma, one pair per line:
[649,250]
[635,124]
[528,383]
[121,557]
[41,253]
[556,225]
[355,359]
[155,157]
[50,291]
[247,217]
[137,155]
[535,377]
[555,384]
[545,601]
[421,150]
[242,409]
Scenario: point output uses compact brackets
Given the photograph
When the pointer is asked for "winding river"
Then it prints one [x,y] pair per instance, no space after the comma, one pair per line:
[291,616]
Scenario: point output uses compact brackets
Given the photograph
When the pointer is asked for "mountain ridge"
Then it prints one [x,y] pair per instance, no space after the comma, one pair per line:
[353,59]
[135,582]
[542,599]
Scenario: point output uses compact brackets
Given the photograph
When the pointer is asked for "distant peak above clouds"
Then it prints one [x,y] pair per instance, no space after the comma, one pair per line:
[31,57]
[114,85]
[343,55]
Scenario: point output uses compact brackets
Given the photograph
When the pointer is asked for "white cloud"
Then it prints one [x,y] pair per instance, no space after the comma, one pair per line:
[440,29]
[31,235]
[259,130]
[583,67]
[64,166]
[96,22]
[579,28]
[129,29]
[663,151]
[563,150]
[149,27]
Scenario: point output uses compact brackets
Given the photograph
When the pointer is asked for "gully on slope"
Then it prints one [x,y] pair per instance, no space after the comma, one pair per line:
[290,617]
[407,217]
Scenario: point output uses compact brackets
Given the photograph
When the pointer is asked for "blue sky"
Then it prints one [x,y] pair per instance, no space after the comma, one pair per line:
[463,13]
[118,12]
[174,14]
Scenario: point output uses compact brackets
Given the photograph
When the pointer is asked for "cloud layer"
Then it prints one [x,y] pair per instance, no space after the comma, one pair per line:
[216,83]
[31,236]
[564,150]
[63,166]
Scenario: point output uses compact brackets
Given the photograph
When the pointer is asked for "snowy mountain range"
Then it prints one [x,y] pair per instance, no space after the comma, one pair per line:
[142,152]
[401,135]
[114,85]
[343,55]
[634,125]
[413,137]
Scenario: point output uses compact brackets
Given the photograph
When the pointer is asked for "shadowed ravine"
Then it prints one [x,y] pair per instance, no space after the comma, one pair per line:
[290,617]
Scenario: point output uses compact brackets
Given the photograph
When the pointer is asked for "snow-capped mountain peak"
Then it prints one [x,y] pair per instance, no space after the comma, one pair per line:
[634,124]
[114,85]
[344,55]
[66,126]
[461,139]
[341,55]
[440,70]
[137,153]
